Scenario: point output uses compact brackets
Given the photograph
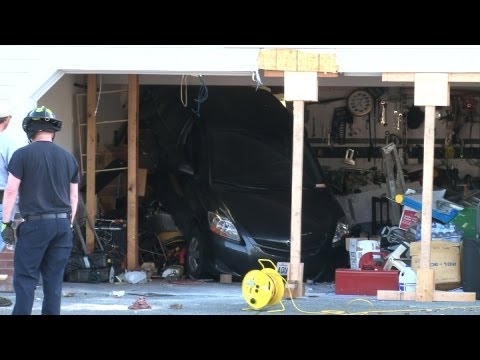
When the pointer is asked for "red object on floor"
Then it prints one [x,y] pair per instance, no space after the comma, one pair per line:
[373,260]
[364,282]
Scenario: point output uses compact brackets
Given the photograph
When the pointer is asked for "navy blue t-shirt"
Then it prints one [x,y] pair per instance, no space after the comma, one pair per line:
[46,171]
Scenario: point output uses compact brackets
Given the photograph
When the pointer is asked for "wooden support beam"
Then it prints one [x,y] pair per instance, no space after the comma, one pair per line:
[90,205]
[132,190]
[437,296]
[295,274]
[278,73]
[297,60]
[431,89]
[425,275]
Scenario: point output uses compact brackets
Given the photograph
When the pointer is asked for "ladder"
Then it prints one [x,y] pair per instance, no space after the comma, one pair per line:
[82,125]
[394,178]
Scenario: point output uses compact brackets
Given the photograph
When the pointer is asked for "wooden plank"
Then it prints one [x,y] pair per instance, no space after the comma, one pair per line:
[286,60]
[295,288]
[425,282]
[267,59]
[454,296]
[142,181]
[437,296]
[277,73]
[327,63]
[90,205]
[297,60]
[307,61]
[395,295]
[295,274]
[132,193]
[425,275]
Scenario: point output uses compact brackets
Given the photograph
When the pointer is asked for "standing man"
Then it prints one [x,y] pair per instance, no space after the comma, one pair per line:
[7,148]
[45,176]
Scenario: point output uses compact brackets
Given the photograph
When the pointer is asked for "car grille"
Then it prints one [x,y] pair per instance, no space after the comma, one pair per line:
[282,248]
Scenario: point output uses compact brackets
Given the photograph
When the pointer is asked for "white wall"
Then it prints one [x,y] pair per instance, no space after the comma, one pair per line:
[61,100]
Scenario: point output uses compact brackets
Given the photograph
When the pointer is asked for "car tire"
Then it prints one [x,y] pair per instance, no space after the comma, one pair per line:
[196,261]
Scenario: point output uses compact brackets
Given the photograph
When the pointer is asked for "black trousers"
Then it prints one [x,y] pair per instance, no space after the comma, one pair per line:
[43,247]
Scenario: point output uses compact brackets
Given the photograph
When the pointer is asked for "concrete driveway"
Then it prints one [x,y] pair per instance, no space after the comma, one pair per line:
[188,297]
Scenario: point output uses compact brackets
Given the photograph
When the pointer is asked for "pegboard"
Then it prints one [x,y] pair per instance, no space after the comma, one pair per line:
[318,123]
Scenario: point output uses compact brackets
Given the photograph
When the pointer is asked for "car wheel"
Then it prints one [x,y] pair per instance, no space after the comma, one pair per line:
[196,254]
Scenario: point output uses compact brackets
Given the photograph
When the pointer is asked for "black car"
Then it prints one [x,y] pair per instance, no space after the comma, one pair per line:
[224,174]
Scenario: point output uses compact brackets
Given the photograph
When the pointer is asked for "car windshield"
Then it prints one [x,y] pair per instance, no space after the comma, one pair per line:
[242,158]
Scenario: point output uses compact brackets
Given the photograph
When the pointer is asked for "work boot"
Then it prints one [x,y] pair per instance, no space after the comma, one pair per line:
[4,302]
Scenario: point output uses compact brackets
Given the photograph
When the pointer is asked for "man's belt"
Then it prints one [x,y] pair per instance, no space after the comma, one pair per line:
[48,216]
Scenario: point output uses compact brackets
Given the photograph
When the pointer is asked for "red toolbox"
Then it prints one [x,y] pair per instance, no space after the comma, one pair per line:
[364,282]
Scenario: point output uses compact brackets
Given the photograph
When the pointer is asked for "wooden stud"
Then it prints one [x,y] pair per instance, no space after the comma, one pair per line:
[142,181]
[132,193]
[91,207]
[425,280]
[295,274]
[425,275]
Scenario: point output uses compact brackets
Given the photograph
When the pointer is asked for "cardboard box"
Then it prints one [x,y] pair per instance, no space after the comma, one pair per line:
[359,246]
[444,260]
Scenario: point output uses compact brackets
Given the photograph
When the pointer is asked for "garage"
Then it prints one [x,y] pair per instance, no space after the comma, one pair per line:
[359,107]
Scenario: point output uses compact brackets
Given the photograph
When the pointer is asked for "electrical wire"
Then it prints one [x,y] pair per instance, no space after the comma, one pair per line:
[183,83]
[350,311]
[99,92]
[202,95]
[257,79]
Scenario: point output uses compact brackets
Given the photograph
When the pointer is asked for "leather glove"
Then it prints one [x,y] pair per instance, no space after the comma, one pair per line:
[8,234]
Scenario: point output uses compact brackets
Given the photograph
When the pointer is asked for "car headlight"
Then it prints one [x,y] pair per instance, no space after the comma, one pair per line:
[222,226]
[341,232]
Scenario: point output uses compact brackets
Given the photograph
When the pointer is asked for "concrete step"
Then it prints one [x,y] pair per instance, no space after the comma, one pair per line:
[6,268]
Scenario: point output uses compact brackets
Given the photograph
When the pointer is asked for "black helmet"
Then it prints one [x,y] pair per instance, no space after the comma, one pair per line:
[40,119]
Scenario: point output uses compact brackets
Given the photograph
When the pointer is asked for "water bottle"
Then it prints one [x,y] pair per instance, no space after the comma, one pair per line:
[111,275]
[407,280]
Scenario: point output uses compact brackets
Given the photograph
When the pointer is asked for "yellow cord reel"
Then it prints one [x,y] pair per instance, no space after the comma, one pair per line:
[263,287]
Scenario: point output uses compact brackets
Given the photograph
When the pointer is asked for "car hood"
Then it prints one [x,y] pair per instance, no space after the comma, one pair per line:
[266,214]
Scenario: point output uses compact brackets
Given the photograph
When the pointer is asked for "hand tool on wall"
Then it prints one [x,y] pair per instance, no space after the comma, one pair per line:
[383,112]
[370,144]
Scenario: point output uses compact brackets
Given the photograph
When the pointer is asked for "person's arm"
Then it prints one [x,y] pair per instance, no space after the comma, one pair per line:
[74,198]
[9,197]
